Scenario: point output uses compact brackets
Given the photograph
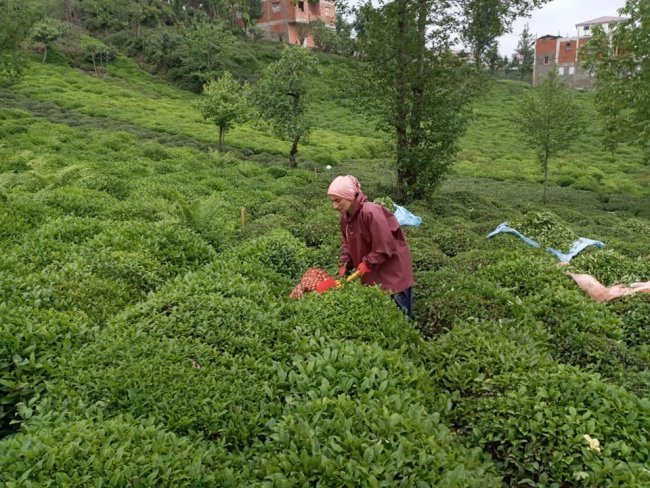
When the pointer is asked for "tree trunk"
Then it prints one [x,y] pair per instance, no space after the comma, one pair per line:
[293,152]
[44,54]
[401,133]
[545,175]
[222,137]
[418,85]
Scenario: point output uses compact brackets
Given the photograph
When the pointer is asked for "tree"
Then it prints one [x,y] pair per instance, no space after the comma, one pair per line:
[46,32]
[416,84]
[160,46]
[548,118]
[16,20]
[202,51]
[486,20]
[251,10]
[224,102]
[621,64]
[96,51]
[281,96]
[526,51]
[493,58]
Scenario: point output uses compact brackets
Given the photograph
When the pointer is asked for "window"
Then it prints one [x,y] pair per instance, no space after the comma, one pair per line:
[572,70]
[275,7]
[567,46]
[560,71]
[546,59]
[301,5]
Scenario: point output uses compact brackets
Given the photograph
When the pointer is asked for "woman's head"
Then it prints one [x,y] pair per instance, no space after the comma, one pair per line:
[343,191]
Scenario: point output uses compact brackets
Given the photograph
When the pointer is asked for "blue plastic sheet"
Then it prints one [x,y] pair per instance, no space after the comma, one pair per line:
[404,217]
[578,246]
[504,228]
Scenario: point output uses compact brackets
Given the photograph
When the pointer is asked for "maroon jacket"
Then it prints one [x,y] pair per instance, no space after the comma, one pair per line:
[373,235]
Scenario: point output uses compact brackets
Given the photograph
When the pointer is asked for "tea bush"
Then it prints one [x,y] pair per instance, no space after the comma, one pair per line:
[78,201]
[535,429]
[466,360]
[177,248]
[279,251]
[426,254]
[633,311]
[182,383]
[118,451]
[363,409]
[33,344]
[464,298]
[610,267]
[355,312]
[220,306]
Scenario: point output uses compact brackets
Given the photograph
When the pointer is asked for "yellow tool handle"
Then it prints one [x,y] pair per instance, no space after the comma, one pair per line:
[352,276]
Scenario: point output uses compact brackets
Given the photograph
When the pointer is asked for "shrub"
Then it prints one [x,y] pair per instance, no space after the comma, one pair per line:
[33,342]
[535,429]
[546,228]
[445,301]
[355,312]
[78,201]
[359,407]
[466,360]
[279,251]
[182,383]
[610,267]
[120,451]
[633,312]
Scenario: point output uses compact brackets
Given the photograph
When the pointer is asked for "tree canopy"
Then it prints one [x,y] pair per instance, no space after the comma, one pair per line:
[621,63]
[16,20]
[417,84]
[548,118]
[282,96]
[223,102]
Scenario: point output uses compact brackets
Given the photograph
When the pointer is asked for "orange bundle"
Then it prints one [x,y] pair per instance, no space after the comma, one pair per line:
[318,280]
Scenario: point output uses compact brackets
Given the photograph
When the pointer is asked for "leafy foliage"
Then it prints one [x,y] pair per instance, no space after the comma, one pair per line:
[282,96]
[141,316]
[15,23]
[224,102]
[548,119]
[621,66]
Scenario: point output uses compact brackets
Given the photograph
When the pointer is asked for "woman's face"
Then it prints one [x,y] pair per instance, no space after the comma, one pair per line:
[341,205]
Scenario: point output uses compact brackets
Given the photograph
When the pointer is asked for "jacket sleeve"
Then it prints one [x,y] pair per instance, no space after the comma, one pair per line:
[381,227]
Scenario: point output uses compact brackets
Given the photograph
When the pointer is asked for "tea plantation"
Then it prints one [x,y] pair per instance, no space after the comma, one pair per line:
[147,337]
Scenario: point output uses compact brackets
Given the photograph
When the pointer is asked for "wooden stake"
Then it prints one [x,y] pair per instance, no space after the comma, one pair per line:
[243,215]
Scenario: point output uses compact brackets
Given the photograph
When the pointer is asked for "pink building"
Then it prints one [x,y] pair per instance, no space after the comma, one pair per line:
[290,20]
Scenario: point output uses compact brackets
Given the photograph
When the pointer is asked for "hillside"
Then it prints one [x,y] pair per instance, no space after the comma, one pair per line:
[148,339]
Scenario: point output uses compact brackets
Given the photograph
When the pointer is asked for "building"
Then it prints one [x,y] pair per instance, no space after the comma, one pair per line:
[562,53]
[290,20]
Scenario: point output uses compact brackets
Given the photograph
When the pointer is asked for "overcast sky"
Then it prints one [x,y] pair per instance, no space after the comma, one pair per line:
[558,17]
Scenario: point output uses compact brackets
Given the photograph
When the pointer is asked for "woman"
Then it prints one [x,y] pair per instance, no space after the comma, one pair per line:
[373,242]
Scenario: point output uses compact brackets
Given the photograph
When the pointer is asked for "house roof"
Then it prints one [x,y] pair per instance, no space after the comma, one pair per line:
[602,20]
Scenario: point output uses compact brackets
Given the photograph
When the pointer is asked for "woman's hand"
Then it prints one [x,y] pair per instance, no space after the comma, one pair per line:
[363,268]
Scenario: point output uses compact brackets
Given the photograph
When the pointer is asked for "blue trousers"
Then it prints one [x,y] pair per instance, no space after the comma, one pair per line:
[404,300]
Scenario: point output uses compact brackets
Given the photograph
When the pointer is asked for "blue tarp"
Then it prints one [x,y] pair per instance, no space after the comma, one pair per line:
[504,228]
[576,247]
[404,217]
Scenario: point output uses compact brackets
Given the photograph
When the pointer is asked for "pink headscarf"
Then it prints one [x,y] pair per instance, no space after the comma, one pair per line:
[345,187]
